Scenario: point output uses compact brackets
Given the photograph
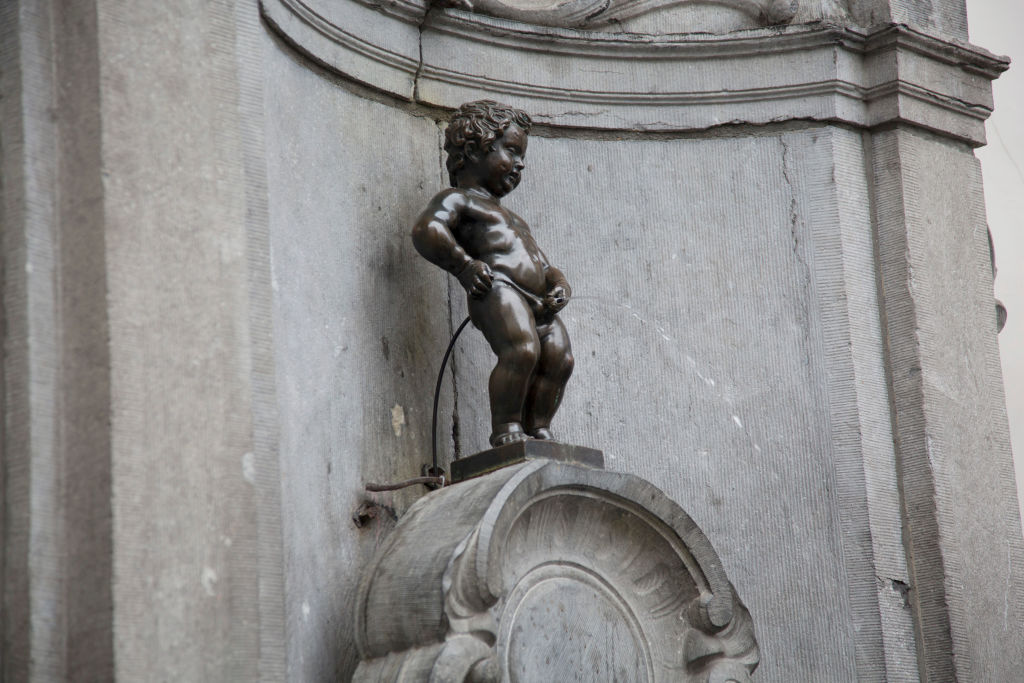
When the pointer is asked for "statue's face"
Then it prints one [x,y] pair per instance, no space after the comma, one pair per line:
[502,167]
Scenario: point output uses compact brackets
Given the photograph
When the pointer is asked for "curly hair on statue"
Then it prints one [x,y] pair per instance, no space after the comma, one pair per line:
[475,126]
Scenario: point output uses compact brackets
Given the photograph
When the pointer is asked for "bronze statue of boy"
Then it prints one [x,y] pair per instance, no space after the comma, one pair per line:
[514,293]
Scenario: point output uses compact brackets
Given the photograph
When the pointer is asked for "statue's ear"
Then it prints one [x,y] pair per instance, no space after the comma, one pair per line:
[472,151]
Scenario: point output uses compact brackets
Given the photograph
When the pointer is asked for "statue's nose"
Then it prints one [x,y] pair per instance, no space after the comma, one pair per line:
[520,164]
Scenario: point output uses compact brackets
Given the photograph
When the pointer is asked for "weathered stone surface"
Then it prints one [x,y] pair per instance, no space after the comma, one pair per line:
[788,361]
[760,392]
[360,324]
[381,49]
[192,584]
[763,341]
[952,439]
[550,571]
[35,630]
[135,485]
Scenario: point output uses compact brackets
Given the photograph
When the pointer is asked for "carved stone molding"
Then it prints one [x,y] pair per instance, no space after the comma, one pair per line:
[550,571]
[624,81]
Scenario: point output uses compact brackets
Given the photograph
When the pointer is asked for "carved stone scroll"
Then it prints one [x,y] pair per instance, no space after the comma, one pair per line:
[550,571]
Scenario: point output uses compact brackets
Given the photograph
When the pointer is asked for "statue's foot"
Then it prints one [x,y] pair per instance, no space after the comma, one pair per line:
[542,433]
[510,432]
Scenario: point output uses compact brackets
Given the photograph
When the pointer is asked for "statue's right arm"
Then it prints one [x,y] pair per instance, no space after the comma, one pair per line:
[433,233]
[434,237]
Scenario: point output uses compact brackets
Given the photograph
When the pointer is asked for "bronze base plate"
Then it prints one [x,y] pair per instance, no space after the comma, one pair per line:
[492,459]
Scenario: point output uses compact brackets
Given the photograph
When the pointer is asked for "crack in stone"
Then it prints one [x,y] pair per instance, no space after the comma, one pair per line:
[794,218]
[419,63]
[793,215]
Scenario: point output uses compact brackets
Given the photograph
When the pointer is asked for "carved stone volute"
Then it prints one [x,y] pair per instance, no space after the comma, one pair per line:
[550,571]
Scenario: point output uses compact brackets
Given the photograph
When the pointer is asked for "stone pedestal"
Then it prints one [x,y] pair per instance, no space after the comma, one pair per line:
[550,571]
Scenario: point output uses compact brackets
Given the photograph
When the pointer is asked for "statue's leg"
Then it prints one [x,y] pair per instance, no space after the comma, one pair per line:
[507,323]
[553,370]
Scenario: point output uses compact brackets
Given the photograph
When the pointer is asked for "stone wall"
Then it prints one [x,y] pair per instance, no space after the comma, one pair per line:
[360,323]
[217,330]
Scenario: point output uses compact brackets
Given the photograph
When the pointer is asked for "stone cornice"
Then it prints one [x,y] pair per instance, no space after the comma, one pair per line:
[681,82]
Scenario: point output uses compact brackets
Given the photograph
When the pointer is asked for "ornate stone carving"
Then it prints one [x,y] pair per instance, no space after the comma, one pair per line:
[597,13]
[550,571]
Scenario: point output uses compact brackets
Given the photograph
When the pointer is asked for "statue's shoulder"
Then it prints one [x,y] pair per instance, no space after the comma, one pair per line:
[449,200]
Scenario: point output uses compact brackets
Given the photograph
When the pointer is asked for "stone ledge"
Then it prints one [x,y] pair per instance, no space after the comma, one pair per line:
[679,82]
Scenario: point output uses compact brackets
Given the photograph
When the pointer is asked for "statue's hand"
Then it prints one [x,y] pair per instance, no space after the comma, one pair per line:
[556,299]
[476,278]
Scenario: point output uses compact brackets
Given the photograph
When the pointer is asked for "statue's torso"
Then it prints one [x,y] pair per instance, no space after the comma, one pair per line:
[501,239]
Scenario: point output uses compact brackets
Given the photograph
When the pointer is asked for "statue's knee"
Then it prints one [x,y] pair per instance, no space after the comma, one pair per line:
[522,356]
[565,365]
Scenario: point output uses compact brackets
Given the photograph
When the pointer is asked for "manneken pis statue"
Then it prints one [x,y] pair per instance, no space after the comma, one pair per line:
[514,293]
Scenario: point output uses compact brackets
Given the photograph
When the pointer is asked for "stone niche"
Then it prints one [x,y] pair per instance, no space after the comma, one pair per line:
[739,214]
[550,571]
